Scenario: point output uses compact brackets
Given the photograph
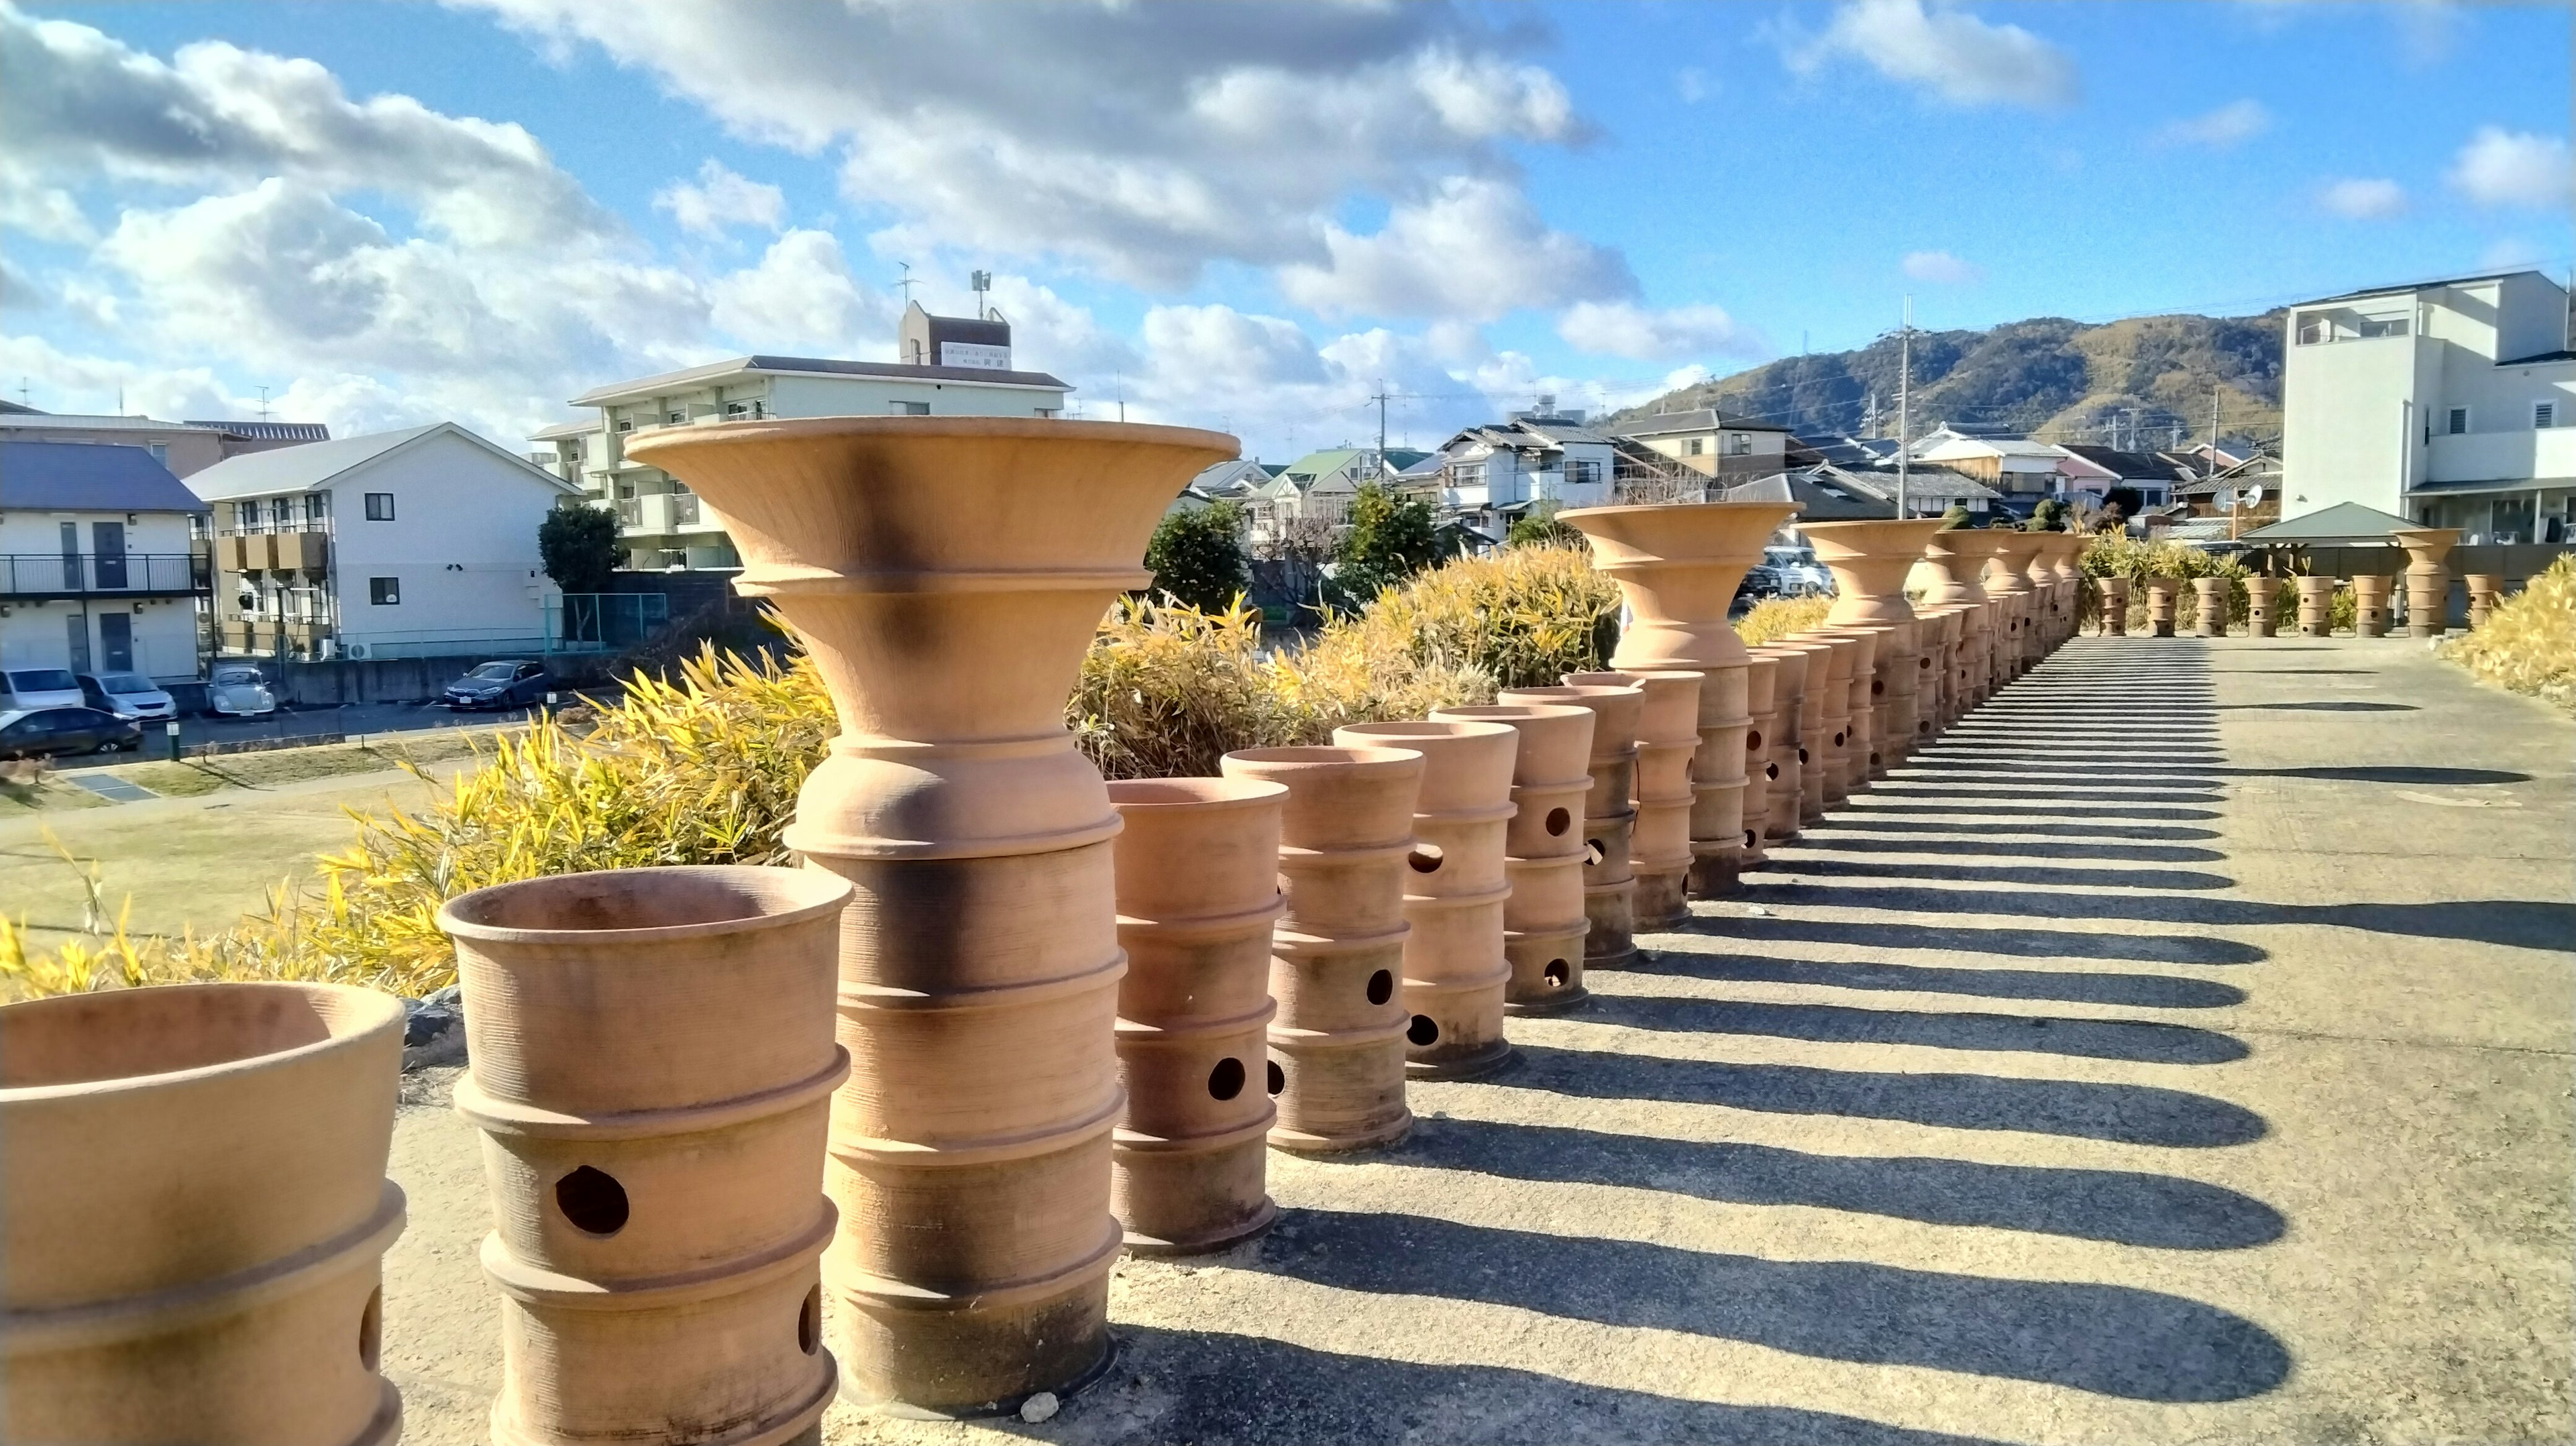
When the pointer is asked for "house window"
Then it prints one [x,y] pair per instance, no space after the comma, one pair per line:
[676,418]
[626,424]
[2457,422]
[1694,447]
[2544,414]
[1739,444]
[2313,328]
[736,409]
[161,453]
[908,409]
[380,507]
[384,592]
[1582,474]
[1467,474]
[246,514]
[2381,326]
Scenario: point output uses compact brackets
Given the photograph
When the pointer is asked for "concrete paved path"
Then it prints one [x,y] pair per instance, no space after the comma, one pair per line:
[2180,1052]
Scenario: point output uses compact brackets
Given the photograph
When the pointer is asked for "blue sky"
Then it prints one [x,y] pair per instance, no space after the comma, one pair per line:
[1240,215]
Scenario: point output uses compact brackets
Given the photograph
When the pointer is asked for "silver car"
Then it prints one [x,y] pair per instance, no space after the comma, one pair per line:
[127,695]
[239,691]
[40,688]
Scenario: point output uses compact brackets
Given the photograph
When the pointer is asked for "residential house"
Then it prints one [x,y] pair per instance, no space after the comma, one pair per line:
[1487,477]
[2451,403]
[1316,490]
[1929,491]
[2020,470]
[186,448]
[101,566]
[417,543]
[1727,449]
[660,522]
[1821,493]
[2102,470]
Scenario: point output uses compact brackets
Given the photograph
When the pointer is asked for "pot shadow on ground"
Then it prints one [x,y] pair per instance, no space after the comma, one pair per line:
[2140,1345]
[2389,773]
[2124,1207]
[1821,864]
[2046,768]
[1241,1390]
[2041,791]
[1976,938]
[1833,827]
[2137,991]
[2023,848]
[2039,808]
[2078,1109]
[2140,1041]
[2338,706]
[2303,672]
[2521,923]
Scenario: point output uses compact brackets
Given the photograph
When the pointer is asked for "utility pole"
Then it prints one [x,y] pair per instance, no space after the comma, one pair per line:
[1904,402]
[1380,398]
[1119,381]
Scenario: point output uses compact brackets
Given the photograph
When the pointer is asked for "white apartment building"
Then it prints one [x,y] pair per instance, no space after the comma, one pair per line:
[1488,476]
[2449,403]
[410,544]
[101,569]
[660,522]
[1728,450]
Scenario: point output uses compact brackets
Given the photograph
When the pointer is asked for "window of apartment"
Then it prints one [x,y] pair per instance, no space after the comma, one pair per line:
[384,592]
[908,409]
[1694,447]
[246,514]
[2544,414]
[2381,326]
[626,424]
[2314,328]
[734,410]
[317,508]
[161,453]
[1467,474]
[675,418]
[1582,474]
[1739,444]
[380,507]
[2456,421]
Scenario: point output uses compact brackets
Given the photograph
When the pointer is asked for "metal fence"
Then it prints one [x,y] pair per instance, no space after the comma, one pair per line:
[603,622]
[76,574]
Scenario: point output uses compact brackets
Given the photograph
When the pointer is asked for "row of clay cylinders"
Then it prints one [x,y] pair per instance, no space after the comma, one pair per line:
[1337,949]
[653,1068]
[2007,581]
[1824,723]
[1871,562]
[1789,783]
[2316,606]
[1659,844]
[1952,575]
[2428,578]
[2262,606]
[1609,813]
[1944,625]
[2162,594]
[194,1215]
[1544,920]
[1762,793]
[2210,616]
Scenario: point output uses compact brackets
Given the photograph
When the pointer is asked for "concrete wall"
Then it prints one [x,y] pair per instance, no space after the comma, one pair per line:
[406,680]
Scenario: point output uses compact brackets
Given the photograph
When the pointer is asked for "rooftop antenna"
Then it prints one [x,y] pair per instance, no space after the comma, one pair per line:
[120,399]
[981,282]
[1119,381]
[22,391]
[906,283]
[263,404]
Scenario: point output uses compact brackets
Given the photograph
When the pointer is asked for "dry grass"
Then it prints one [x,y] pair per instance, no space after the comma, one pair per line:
[1774,618]
[2528,644]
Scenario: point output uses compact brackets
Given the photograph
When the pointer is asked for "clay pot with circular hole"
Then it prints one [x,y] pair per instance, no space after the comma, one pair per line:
[1762,700]
[1784,761]
[1824,726]
[1871,562]
[2112,595]
[653,1067]
[1455,890]
[2486,589]
[194,1215]
[2162,593]
[1659,846]
[2067,559]
[1609,815]
[1863,760]
[1543,920]
[1678,565]
[2262,606]
[2428,578]
[2008,577]
[1953,571]
[2316,606]
[1337,952]
[947,575]
[2042,572]
[2370,605]
[2209,607]
[1198,895]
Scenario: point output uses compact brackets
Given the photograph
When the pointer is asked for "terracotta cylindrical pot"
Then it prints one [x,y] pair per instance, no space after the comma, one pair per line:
[948,574]
[1953,567]
[1198,894]
[2210,597]
[2008,578]
[194,1215]
[1678,565]
[653,1068]
[2070,580]
[1337,952]
[2262,606]
[1609,814]
[2114,591]
[1870,562]
[2370,612]
[1930,701]
[1784,757]
[1824,726]
[1543,855]
[1868,707]
[1455,890]
[2316,606]
[1762,699]
[2486,589]
[2162,593]
[2428,578]
[1659,846]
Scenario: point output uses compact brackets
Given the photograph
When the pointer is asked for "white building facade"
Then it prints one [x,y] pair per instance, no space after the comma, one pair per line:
[2449,403]
[102,569]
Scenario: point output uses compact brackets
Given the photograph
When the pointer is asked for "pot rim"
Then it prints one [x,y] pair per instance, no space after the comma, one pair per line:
[837,889]
[1211,793]
[1505,712]
[391,1010]
[1428,728]
[1029,428]
[1326,755]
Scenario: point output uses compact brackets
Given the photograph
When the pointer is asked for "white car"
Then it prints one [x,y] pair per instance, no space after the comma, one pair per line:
[239,692]
[128,695]
[26,688]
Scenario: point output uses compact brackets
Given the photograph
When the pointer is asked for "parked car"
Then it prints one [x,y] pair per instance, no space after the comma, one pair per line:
[25,688]
[128,695]
[1799,573]
[504,683]
[238,691]
[59,732]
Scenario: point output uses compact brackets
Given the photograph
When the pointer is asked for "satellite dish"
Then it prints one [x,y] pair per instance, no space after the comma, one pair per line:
[2254,495]
[2226,499]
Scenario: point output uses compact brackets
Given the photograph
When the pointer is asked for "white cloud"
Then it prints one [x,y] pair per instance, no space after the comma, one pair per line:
[38,212]
[1946,51]
[1941,268]
[2231,124]
[2510,253]
[801,297]
[1693,85]
[721,199]
[2513,168]
[1475,250]
[2363,199]
[1624,329]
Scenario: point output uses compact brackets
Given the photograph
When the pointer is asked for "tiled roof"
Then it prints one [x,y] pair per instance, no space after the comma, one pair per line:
[89,477]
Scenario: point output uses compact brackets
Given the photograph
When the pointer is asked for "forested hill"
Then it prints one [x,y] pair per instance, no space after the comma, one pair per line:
[2054,379]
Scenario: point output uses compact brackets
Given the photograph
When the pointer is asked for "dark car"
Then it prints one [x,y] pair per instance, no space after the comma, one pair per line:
[508,683]
[59,732]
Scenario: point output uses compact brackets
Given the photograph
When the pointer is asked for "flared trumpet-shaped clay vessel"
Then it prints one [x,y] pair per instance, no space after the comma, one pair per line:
[2113,591]
[1784,756]
[2370,611]
[1954,564]
[1455,890]
[2486,589]
[2209,607]
[1659,851]
[2049,585]
[2162,593]
[2262,606]
[1543,920]
[1337,953]
[653,1068]
[1678,565]
[1762,698]
[1609,815]
[1198,893]
[947,574]
[194,1215]
[2428,578]
[1870,562]
[2066,558]
[2316,606]
[2008,578]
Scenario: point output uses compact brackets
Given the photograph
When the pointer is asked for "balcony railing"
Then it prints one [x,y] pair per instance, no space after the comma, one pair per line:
[276,525]
[37,576]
